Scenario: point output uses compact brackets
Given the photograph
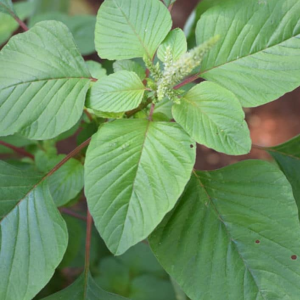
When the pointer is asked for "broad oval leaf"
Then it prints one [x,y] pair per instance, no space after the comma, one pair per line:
[213,116]
[234,234]
[135,170]
[176,41]
[84,288]
[287,156]
[33,237]
[257,57]
[118,92]
[43,82]
[131,28]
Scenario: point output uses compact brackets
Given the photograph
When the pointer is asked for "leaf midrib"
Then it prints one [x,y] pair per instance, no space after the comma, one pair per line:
[42,80]
[133,29]
[134,181]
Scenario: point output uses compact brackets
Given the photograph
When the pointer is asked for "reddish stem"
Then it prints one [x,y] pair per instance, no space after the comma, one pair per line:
[21,23]
[69,156]
[72,213]
[151,111]
[17,150]
[187,81]
[88,115]
[93,79]
[170,7]
[87,249]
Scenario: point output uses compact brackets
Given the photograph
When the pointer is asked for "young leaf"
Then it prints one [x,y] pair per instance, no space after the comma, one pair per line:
[129,65]
[33,235]
[118,92]
[135,170]
[131,28]
[214,117]
[43,82]
[257,57]
[234,234]
[287,157]
[7,7]
[84,289]
[176,41]
[82,28]
[96,69]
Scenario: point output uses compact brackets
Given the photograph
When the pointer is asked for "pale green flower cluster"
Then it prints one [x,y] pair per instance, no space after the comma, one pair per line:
[175,71]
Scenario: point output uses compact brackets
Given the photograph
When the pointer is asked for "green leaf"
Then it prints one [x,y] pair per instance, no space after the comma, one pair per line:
[82,28]
[135,274]
[233,235]
[149,287]
[7,7]
[33,236]
[118,92]
[131,28]
[287,156]
[135,170]
[129,65]
[43,82]
[14,184]
[257,57]
[8,24]
[96,69]
[214,117]
[84,289]
[176,41]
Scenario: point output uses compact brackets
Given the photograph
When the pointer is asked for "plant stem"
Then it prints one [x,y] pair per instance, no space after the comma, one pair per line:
[170,7]
[68,157]
[72,213]
[87,250]
[187,81]
[21,23]
[151,111]
[17,150]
